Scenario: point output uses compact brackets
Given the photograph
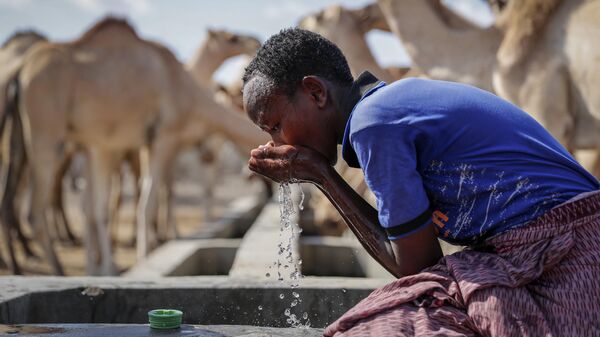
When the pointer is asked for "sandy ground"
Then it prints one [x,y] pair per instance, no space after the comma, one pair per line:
[189,214]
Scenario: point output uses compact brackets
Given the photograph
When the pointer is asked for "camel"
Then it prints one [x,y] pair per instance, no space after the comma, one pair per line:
[552,64]
[68,96]
[203,118]
[218,46]
[12,52]
[135,94]
[437,48]
[548,51]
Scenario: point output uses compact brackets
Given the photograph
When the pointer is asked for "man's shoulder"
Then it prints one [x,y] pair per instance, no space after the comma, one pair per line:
[389,104]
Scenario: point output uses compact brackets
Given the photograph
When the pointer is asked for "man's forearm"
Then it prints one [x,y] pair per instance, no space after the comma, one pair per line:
[360,217]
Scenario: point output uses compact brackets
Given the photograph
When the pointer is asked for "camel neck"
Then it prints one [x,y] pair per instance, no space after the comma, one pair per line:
[204,64]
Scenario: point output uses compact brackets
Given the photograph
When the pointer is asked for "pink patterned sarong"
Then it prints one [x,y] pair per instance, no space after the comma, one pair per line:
[539,280]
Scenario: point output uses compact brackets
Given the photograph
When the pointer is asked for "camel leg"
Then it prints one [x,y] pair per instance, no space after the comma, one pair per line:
[162,154]
[60,215]
[14,174]
[170,223]
[44,167]
[23,184]
[161,223]
[7,211]
[115,201]
[102,164]
[135,164]
[209,191]
[90,234]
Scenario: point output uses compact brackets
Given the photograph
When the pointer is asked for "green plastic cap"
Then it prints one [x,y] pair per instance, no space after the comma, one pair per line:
[165,318]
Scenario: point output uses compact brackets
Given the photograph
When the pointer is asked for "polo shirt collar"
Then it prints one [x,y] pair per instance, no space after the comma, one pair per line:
[365,84]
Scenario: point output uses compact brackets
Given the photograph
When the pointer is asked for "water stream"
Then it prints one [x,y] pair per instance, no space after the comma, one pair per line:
[288,264]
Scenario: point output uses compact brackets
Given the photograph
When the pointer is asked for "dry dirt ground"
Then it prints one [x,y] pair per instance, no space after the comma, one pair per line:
[189,214]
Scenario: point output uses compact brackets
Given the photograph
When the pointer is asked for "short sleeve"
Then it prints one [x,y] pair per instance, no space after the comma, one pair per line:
[388,157]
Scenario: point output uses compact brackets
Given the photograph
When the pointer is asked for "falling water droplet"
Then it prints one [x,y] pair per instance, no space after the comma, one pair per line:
[295,294]
[281,296]
[268,274]
[301,205]
[260,307]
[344,290]
[305,315]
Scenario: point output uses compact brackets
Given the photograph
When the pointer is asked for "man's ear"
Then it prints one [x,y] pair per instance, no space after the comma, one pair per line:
[316,88]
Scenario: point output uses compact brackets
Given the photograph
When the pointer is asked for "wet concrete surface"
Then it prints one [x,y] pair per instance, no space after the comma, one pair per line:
[140,330]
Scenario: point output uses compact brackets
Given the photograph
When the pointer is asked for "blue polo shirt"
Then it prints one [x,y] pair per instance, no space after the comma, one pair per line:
[474,164]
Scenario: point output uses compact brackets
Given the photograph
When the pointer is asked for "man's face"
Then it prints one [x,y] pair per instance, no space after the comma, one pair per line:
[299,120]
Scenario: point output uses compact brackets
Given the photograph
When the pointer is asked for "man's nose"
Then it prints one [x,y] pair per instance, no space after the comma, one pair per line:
[278,140]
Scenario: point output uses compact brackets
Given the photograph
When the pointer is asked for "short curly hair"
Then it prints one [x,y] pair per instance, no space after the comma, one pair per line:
[287,57]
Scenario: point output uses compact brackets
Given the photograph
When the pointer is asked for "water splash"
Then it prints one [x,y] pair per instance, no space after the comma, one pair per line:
[286,259]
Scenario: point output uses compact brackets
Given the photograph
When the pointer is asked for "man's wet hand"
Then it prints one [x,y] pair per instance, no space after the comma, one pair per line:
[286,163]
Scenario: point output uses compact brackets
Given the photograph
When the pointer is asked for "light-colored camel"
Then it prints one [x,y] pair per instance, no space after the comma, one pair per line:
[549,64]
[439,49]
[218,46]
[553,78]
[201,118]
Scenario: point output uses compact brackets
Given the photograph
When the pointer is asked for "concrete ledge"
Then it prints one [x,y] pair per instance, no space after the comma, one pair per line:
[259,248]
[139,330]
[205,300]
[188,258]
[240,215]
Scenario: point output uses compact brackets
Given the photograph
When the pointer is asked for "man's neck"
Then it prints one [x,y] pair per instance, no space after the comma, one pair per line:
[349,97]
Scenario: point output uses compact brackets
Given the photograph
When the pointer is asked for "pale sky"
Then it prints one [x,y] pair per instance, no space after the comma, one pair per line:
[181,24]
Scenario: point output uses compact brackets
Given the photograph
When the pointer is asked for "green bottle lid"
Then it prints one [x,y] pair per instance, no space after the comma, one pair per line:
[165,318]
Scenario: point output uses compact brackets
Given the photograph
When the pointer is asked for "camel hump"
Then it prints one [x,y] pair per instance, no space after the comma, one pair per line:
[107,27]
[24,35]
[522,22]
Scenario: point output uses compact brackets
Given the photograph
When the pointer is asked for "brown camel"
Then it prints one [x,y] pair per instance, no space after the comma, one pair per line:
[12,52]
[118,93]
[105,93]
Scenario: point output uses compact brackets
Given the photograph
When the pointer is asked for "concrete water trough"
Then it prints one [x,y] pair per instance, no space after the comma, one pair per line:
[338,275]
[205,300]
